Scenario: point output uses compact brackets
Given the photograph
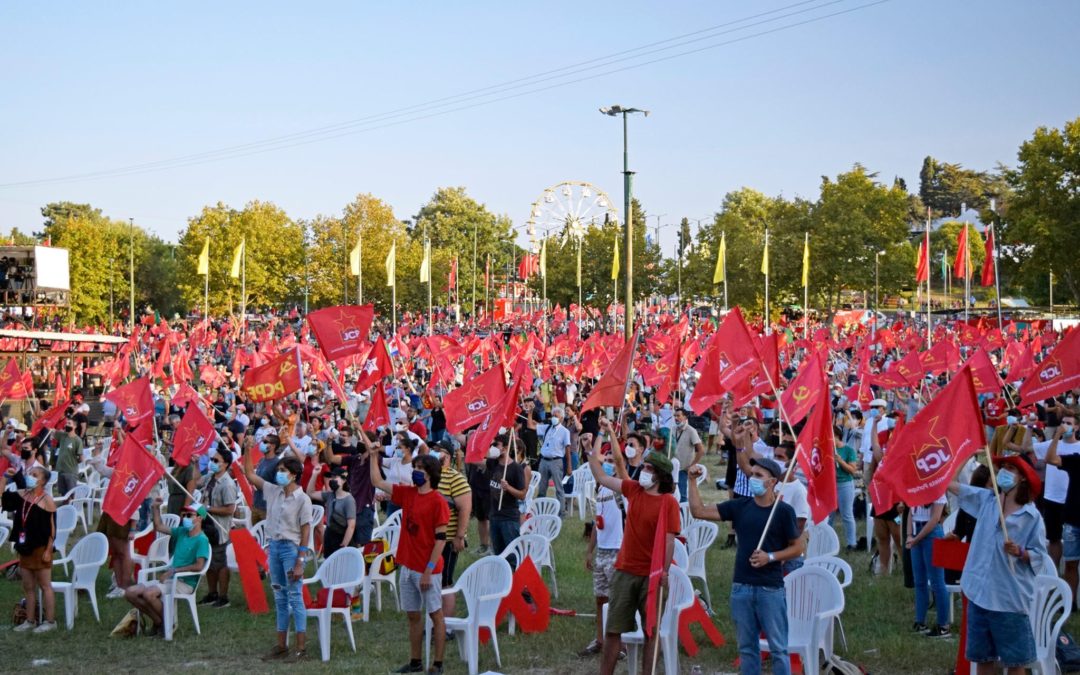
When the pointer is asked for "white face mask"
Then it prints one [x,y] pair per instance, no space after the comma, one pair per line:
[494,452]
[647,479]
[631,452]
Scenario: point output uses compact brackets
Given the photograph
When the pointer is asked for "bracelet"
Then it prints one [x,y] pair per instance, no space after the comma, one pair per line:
[431,566]
[772,558]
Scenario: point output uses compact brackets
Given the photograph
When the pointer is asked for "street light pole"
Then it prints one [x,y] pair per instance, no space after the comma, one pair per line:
[877,278]
[628,215]
[131,274]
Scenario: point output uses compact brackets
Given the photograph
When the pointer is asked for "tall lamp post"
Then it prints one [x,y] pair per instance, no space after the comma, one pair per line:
[131,274]
[628,216]
[877,277]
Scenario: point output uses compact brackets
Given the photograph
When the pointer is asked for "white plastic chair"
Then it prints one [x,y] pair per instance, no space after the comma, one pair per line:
[679,597]
[79,497]
[170,597]
[375,578]
[392,521]
[704,474]
[1049,611]
[581,491]
[814,597]
[534,488]
[686,519]
[539,549]
[547,527]
[543,506]
[699,537]
[258,532]
[680,556]
[88,555]
[67,517]
[842,570]
[343,570]
[170,520]
[483,584]
[5,532]
[156,555]
[823,540]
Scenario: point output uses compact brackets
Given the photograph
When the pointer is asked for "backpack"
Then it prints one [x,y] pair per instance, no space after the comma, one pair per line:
[1067,653]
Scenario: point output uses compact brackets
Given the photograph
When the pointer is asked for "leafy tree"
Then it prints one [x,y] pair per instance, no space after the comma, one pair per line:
[1040,232]
[946,187]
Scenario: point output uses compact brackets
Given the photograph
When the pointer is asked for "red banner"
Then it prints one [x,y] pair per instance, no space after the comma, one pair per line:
[275,379]
[1058,372]
[467,405]
[816,456]
[135,473]
[134,401]
[343,330]
[195,435]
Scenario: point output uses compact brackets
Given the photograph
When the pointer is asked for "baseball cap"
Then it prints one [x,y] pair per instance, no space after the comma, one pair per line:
[878,402]
[660,462]
[769,465]
[197,509]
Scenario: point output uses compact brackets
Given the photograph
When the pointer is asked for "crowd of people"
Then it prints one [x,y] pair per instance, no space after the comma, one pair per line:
[647,457]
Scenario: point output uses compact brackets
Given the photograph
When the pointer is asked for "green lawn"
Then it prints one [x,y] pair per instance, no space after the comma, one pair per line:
[877,618]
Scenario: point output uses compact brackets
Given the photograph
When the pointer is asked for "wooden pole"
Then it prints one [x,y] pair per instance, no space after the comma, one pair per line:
[997,498]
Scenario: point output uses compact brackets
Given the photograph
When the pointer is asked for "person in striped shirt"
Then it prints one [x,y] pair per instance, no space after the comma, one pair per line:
[454,487]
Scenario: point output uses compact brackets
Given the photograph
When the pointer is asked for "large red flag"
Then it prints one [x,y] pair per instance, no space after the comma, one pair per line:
[467,405]
[729,359]
[12,384]
[925,455]
[376,366]
[343,330]
[52,418]
[816,450]
[983,374]
[194,435]
[134,401]
[765,377]
[988,262]
[274,379]
[611,389]
[805,390]
[666,523]
[501,414]
[1058,372]
[961,264]
[378,414]
[922,266]
[135,473]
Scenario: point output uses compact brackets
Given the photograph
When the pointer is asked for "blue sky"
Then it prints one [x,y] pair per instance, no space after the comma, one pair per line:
[89,87]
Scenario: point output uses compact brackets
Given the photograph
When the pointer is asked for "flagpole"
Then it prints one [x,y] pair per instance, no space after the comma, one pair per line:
[360,271]
[929,319]
[487,282]
[997,277]
[806,291]
[243,289]
[206,297]
[722,238]
[427,256]
[579,281]
[766,317]
[997,498]
[967,274]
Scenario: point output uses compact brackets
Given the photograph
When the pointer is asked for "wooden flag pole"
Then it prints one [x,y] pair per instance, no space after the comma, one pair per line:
[510,457]
[656,628]
[997,498]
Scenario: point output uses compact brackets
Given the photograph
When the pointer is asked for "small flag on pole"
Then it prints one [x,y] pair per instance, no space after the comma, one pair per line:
[806,261]
[425,264]
[543,259]
[354,260]
[204,258]
[615,261]
[765,256]
[391,265]
[721,260]
[237,257]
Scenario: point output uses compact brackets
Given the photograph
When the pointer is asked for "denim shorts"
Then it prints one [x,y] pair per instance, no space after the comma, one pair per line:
[414,598]
[1070,539]
[1004,636]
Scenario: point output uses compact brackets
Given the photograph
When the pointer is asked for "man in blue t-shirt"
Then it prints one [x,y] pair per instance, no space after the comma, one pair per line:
[758,603]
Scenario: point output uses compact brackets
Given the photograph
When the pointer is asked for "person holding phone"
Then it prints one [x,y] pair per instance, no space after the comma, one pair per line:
[33,516]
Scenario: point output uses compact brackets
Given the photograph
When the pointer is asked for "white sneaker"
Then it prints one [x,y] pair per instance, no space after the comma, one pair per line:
[45,627]
[115,593]
[23,627]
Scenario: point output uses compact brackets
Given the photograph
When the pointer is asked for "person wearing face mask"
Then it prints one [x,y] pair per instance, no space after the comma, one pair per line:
[793,493]
[873,423]
[480,485]
[424,518]
[554,457]
[267,454]
[33,529]
[1056,487]
[190,554]
[340,507]
[288,529]
[688,448]
[994,410]
[652,502]
[1069,464]
[221,489]
[188,477]
[758,603]
[264,428]
[69,449]
[1011,438]
[999,577]
[398,465]
[634,451]
[455,490]
[358,484]
[506,487]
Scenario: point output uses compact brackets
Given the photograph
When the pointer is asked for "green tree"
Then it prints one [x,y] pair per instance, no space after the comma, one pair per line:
[946,187]
[1041,230]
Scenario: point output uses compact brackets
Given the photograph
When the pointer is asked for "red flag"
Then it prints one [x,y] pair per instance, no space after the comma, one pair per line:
[611,388]
[134,475]
[988,262]
[500,415]
[922,267]
[925,455]
[343,330]
[194,435]
[275,379]
[53,418]
[961,268]
[656,567]
[467,405]
[805,390]
[376,366]
[1023,367]
[765,377]
[729,359]
[1058,372]
[134,401]
[881,495]
[378,414]
[983,374]
[528,266]
[860,393]
[816,452]
[184,395]
[12,384]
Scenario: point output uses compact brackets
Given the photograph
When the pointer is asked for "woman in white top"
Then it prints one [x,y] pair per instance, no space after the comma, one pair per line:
[925,523]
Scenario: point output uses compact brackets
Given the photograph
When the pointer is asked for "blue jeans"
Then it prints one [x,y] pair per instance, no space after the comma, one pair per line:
[758,609]
[845,503]
[502,533]
[288,600]
[683,487]
[929,578]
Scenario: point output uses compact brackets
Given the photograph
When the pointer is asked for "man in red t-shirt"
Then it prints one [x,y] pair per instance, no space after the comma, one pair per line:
[424,517]
[647,497]
[994,412]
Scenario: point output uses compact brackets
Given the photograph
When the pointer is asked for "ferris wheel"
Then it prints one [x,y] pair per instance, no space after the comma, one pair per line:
[568,208]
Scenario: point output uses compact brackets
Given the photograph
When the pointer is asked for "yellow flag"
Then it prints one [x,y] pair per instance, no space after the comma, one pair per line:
[237,256]
[806,261]
[765,256]
[721,260]
[354,260]
[543,259]
[204,258]
[425,264]
[391,265]
[615,261]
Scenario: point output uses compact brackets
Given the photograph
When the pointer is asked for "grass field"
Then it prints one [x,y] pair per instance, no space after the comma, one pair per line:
[877,619]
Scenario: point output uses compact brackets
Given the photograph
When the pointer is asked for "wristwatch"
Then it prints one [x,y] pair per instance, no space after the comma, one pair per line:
[772,558]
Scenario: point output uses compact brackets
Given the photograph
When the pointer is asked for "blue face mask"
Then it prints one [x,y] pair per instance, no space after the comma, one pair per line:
[188,522]
[1005,480]
[757,487]
[418,477]
[872,413]
[264,448]
[31,481]
[609,468]
[282,478]
[213,467]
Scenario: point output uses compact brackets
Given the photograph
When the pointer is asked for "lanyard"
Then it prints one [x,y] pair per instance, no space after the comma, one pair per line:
[28,505]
